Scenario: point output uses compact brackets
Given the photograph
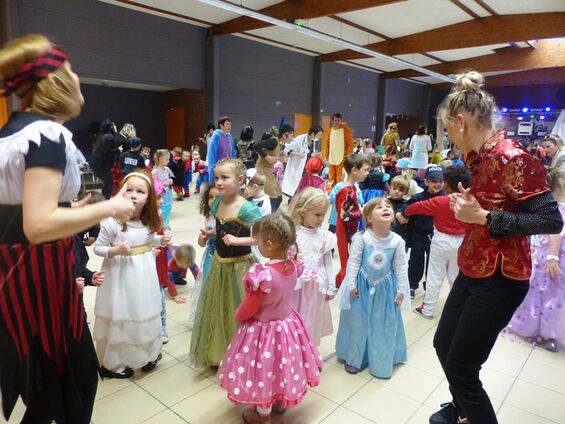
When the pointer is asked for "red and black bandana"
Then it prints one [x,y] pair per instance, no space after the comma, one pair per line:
[35,70]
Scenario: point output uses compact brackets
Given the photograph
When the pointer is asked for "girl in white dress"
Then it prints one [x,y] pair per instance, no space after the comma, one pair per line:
[128,329]
[420,146]
[316,285]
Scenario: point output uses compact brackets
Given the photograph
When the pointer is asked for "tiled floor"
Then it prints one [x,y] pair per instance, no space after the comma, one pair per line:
[527,385]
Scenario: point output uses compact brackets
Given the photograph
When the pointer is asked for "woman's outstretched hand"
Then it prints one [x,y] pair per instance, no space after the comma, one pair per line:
[466,207]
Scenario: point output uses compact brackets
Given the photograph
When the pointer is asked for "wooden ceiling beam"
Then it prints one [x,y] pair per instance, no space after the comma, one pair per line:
[297,9]
[477,32]
[555,75]
[549,53]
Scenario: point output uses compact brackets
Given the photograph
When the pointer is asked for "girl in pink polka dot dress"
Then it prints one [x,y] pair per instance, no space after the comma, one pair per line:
[271,360]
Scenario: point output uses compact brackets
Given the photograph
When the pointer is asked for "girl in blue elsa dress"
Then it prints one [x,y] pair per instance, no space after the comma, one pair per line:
[371,331]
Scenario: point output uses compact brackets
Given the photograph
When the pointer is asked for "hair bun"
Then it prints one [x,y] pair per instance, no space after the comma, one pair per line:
[469,81]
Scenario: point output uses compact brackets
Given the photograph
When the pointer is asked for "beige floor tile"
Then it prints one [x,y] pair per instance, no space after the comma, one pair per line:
[313,409]
[209,406]
[165,417]
[412,382]
[428,338]
[337,385]
[381,405]
[422,415]
[510,414]
[343,415]
[551,358]
[496,384]
[424,358]
[130,405]
[17,413]
[544,374]
[174,328]
[537,400]
[174,384]
[506,360]
[440,394]
[417,328]
[111,385]
[179,346]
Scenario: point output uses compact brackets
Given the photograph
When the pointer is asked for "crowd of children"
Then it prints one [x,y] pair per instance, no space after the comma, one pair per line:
[260,303]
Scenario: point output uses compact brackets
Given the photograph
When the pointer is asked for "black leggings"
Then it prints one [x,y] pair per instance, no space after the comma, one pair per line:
[475,311]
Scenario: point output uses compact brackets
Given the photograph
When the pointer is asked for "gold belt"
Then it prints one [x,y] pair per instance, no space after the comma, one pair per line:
[140,249]
[233,260]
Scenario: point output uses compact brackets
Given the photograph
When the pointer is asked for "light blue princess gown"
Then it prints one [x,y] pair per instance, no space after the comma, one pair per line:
[371,331]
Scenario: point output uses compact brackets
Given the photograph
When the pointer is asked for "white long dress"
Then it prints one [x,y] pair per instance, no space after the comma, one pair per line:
[316,281]
[420,145]
[127,329]
[295,165]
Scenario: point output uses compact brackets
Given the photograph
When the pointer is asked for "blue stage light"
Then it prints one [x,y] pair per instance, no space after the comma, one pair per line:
[525,109]
[504,109]
[547,109]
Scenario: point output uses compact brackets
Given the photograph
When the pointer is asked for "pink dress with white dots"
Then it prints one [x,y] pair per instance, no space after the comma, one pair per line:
[271,357]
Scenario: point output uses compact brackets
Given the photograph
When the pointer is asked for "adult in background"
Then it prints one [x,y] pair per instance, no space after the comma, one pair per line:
[269,150]
[46,356]
[391,137]
[553,145]
[336,146]
[420,145]
[298,151]
[508,200]
[244,147]
[220,146]
[104,155]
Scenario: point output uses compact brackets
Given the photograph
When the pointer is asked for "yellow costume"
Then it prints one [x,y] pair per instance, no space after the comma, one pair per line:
[336,145]
[391,137]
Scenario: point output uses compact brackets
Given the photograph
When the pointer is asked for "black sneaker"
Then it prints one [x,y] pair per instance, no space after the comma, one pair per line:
[180,282]
[152,364]
[412,294]
[446,415]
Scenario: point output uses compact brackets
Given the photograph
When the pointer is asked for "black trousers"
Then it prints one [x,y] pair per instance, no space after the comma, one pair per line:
[475,312]
[419,258]
[107,179]
[87,396]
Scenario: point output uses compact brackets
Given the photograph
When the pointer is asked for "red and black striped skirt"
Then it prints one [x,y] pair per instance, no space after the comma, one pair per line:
[46,356]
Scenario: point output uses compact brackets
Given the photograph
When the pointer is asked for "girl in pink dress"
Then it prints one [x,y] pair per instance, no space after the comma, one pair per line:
[271,360]
[316,285]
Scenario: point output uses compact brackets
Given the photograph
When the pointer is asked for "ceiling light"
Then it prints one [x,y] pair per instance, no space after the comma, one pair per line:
[234,8]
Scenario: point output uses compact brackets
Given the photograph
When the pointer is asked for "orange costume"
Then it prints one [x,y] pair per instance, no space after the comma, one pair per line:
[336,145]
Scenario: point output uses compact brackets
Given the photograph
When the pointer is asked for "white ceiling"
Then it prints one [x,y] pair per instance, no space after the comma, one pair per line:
[509,7]
[393,20]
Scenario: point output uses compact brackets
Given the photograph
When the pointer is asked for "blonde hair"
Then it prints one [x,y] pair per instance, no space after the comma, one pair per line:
[185,253]
[55,97]
[371,205]
[308,199]
[258,178]
[128,130]
[467,95]
[276,228]
[159,153]
[237,165]
[375,160]
[401,182]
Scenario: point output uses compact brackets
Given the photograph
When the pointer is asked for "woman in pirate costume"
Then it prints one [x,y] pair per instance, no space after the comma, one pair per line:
[46,353]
